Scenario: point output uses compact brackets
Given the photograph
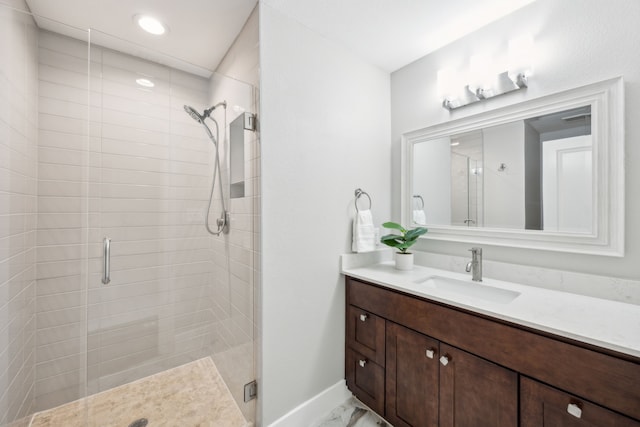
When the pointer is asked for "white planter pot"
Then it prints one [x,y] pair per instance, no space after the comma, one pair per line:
[404,261]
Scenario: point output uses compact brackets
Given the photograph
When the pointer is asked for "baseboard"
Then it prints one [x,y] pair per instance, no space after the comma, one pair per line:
[316,407]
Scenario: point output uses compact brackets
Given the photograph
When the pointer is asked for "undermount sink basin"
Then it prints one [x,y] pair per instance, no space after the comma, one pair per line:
[469,288]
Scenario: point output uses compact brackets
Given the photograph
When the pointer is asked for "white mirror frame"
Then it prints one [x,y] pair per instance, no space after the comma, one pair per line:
[607,237]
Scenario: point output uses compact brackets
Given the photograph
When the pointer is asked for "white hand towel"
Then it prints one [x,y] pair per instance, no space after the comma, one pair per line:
[419,217]
[364,233]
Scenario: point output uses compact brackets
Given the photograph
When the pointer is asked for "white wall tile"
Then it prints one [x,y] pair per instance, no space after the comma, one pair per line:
[18,139]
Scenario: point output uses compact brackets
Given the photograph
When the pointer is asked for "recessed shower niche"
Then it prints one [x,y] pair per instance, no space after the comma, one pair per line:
[245,122]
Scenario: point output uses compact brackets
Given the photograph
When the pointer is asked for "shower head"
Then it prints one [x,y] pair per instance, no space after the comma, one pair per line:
[200,117]
[194,114]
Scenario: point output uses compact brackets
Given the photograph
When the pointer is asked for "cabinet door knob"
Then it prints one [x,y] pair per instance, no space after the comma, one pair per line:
[363,317]
[445,360]
[574,409]
[430,353]
[362,362]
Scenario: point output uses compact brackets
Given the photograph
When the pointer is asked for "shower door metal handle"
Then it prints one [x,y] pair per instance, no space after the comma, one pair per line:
[106,249]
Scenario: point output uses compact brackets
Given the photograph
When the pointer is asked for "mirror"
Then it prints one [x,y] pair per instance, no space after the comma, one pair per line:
[546,173]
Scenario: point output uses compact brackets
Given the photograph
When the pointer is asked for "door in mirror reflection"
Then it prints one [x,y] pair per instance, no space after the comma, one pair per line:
[567,182]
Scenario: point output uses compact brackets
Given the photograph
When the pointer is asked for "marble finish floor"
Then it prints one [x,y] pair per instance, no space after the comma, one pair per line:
[191,395]
[352,413]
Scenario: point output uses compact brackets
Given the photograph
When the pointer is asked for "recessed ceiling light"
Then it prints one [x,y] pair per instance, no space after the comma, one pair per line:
[150,24]
[145,82]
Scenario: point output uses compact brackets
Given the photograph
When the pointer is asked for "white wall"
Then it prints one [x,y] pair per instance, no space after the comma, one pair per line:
[433,167]
[504,190]
[325,132]
[578,42]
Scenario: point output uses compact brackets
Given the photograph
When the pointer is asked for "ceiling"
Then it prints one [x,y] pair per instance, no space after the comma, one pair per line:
[394,33]
[387,33]
[200,31]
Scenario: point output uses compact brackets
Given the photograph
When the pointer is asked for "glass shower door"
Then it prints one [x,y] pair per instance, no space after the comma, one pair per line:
[174,309]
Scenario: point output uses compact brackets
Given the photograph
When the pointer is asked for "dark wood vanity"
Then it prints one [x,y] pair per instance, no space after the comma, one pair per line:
[420,363]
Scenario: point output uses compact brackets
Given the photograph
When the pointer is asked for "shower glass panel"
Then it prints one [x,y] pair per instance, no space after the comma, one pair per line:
[44,179]
[175,295]
[467,180]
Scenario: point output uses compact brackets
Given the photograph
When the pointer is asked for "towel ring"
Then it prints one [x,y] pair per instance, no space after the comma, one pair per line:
[417,196]
[359,193]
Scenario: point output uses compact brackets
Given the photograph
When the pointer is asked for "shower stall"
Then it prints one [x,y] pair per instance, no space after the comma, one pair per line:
[105,178]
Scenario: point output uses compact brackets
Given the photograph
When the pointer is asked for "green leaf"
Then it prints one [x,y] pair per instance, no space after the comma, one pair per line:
[392,240]
[415,233]
[395,226]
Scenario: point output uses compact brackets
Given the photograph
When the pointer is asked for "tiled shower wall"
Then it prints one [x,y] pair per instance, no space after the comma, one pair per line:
[155,167]
[62,220]
[170,298]
[18,187]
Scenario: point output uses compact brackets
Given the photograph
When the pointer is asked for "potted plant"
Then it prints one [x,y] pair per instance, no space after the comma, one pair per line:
[402,242]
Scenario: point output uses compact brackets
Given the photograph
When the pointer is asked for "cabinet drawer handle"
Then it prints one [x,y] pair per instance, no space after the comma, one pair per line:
[445,360]
[362,362]
[574,409]
[363,317]
[430,353]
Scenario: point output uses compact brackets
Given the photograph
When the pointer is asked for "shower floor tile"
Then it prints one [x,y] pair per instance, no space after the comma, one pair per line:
[191,395]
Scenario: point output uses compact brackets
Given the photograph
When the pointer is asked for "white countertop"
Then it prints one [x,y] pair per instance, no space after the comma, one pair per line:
[604,323]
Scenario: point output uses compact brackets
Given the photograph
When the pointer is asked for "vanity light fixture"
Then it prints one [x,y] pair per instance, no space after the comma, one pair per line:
[150,24]
[145,82]
[484,81]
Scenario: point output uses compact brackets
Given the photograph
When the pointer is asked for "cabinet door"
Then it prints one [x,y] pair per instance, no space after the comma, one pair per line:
[365,333]
[366,380]
[412,378]
[475,392]
[544,406]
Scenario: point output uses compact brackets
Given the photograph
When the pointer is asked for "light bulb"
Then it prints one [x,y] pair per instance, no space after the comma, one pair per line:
[150,24]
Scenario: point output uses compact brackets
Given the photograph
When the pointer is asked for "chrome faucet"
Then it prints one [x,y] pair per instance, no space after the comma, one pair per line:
[475,265]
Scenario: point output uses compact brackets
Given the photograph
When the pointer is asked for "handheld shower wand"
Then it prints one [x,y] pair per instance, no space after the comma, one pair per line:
[222,223]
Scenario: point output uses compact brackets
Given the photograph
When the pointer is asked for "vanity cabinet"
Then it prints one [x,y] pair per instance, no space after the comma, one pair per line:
[475,392]
[412,377]
[420,363]
[430,384]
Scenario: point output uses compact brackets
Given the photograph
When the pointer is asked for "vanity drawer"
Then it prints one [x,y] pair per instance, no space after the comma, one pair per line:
[541,405]
[365,334]
[365,379]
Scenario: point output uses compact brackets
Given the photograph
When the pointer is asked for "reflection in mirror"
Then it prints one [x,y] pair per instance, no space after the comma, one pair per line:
[534,174]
